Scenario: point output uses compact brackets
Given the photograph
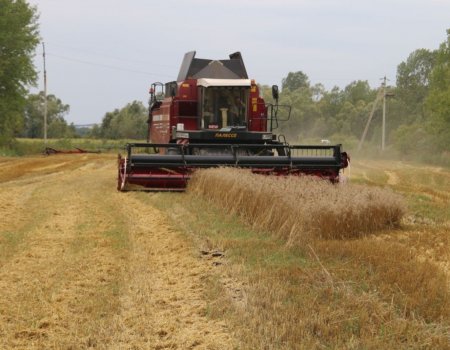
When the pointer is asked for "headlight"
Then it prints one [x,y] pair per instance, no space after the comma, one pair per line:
[267,137]
[182,135]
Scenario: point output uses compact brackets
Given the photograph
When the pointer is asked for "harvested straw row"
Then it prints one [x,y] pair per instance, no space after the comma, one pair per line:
[299,209]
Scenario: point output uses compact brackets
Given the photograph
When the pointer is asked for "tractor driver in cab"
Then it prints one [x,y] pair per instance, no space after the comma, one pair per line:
[237,111]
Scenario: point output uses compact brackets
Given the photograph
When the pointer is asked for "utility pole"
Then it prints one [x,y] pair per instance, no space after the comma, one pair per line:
[45,95]
[374,106]
[382,94]
[383,127]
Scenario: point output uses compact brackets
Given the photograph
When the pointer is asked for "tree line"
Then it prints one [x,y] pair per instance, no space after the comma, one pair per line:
[418,106]
[129,122]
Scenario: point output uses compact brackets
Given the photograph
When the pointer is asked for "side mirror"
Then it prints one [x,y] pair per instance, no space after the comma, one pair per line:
[172,92]
[275,93]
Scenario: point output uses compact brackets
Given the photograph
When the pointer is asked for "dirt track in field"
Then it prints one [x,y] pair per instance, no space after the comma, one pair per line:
[83,266]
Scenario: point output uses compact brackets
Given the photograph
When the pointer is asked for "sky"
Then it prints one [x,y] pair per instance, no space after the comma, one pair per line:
[103,54]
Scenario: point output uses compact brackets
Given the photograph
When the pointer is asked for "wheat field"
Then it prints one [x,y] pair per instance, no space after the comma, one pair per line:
[352,266]
[299,209]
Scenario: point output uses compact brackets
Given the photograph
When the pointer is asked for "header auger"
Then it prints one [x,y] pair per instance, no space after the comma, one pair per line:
[213,116]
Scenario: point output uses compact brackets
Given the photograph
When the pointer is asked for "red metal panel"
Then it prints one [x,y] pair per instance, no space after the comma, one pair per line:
[185,104]
[257,111]
[160,126]
[187,90]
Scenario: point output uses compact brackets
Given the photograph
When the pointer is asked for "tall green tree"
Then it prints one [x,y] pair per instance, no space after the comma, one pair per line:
[34,117]
[19,37]
[438,100]
[413,76]
[359,90]
[129,122]
[295,81]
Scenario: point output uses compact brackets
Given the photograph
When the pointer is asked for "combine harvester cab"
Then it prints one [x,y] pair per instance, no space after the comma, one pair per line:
[213,116]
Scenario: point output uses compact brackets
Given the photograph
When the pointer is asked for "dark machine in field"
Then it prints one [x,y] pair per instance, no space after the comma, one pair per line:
[213,116]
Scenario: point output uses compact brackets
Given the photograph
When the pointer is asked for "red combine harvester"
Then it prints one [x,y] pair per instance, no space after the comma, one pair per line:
[213,116]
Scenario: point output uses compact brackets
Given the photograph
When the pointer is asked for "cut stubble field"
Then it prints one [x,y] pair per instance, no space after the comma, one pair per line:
[84,266]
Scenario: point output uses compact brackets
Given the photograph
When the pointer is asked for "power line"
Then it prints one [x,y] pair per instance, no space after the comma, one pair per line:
[108,56]
[329,79]
[107,66]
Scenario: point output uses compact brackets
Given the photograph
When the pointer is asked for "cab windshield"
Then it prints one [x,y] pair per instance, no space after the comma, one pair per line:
[224,106]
